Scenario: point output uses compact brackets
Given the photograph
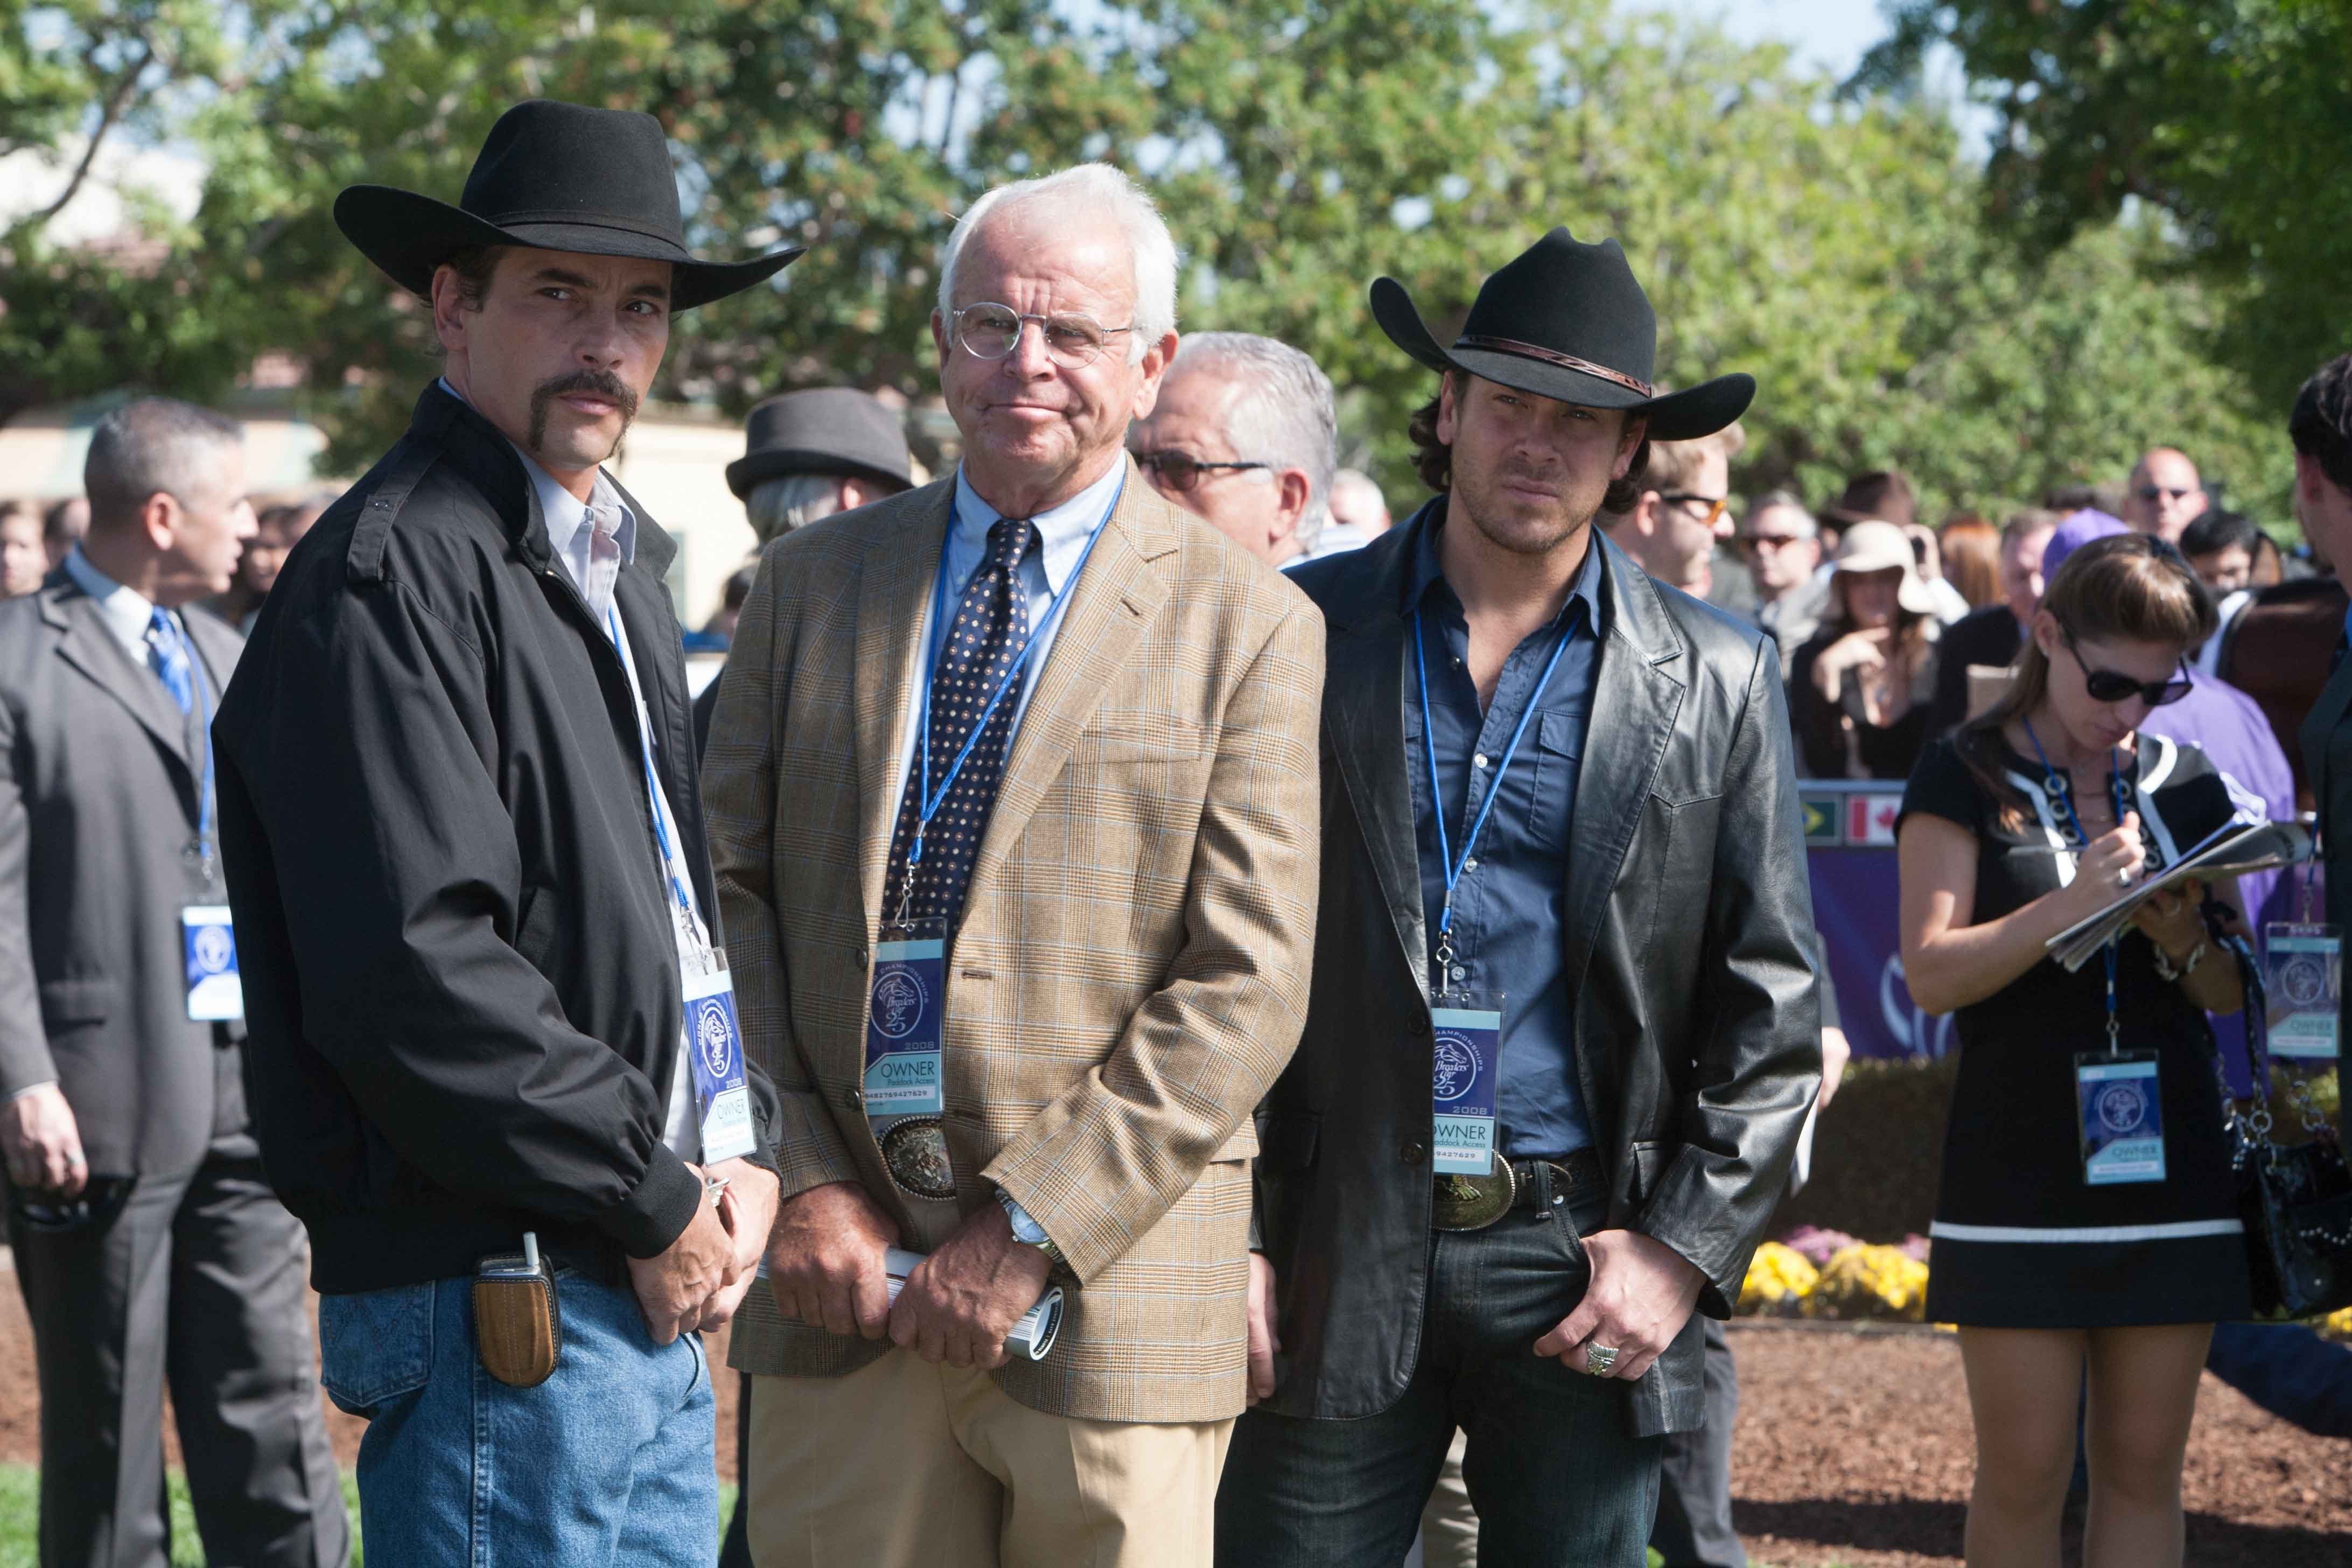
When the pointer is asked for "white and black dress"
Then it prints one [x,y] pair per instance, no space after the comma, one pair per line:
[2020,1239]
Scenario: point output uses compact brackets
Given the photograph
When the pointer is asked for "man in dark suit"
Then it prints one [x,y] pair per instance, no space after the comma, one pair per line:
[1563,1031]
[148,1245]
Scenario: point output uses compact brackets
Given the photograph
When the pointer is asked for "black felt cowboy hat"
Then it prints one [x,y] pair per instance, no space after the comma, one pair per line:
[552,176]
[1568,322]
[825,430]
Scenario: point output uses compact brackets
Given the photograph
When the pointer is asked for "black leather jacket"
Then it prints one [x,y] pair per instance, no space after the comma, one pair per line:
[1690,933]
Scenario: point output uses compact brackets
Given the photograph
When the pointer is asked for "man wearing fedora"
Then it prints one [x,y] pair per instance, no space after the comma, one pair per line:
[491,1028]
[1562,1033]
[1012,792]
[808,454]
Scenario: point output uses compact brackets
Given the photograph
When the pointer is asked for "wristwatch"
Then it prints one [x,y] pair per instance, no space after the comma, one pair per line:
[1026,1230]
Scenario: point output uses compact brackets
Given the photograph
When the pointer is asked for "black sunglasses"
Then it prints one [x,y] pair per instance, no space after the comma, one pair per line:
[1180,473]
[93,1208]
[2113,686]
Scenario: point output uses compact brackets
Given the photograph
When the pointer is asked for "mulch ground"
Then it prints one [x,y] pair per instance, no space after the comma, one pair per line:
[1855,1448]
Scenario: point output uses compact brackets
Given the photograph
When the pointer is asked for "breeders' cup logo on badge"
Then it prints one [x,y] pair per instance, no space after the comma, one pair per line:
[214,949]
[898,1004]
[715,1036]
[2305,981]
[2121,1108]
[1456,1066]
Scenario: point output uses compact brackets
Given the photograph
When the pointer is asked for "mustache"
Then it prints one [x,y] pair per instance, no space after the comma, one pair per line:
[599,383]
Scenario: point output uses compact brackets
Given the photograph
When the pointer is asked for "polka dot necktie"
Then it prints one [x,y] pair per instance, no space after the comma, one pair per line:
[991,625]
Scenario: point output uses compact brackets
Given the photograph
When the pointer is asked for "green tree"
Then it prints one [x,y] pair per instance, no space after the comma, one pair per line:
[2229,116]
[1836,249]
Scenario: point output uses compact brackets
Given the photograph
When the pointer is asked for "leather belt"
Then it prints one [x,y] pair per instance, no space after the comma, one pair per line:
[1459,1203]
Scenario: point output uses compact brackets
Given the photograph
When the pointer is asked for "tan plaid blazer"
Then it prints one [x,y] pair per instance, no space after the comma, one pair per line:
[1131,972]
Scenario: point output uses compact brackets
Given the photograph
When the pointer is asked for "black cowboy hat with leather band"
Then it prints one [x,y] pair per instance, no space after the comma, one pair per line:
[823,430]
[1567,321]
[552,176]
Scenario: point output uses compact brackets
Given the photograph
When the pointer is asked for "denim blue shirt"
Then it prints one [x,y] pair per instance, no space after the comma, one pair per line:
[1509,906]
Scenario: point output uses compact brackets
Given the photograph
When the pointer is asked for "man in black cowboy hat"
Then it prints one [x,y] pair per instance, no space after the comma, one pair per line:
[491,1024]
[1562,1033]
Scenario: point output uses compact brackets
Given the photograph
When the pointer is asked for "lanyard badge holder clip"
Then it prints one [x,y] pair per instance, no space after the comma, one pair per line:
[1474,1187]
[215,990]
[2119,1094]
[711,1028]
[906,1013]
[2303,962]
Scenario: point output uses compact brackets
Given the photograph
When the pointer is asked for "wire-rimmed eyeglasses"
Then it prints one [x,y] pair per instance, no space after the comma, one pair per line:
[1073,337]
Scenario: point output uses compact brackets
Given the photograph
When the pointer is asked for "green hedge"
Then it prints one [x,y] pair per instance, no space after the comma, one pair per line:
[1878,1153]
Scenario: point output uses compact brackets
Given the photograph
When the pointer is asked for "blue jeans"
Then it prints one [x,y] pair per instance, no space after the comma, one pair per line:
[607,1462]
[1552,1467]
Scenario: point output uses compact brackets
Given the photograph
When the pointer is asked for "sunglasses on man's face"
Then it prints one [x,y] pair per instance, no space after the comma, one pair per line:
[2113,686]
[2152,492]
[1180,473]
[1704,509]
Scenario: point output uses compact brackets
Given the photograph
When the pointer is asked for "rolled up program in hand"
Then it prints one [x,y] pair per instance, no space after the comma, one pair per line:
[1033,1336]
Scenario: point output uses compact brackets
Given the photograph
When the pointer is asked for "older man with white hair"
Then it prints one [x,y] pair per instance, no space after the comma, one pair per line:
[1013,790]
[1246,435]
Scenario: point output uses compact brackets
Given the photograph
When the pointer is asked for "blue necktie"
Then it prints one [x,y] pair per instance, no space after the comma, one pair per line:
[991,625]
[169,654]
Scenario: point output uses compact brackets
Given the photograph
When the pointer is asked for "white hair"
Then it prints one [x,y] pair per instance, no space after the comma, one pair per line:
[778,506]
[1286,414]
[1088,189]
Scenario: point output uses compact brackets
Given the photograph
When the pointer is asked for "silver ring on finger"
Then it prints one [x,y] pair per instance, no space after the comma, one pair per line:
[1599,1360]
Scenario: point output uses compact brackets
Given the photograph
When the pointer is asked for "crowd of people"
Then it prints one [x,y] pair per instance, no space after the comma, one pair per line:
[1245,1044]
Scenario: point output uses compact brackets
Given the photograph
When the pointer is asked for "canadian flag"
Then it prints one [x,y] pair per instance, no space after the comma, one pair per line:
[1870,819]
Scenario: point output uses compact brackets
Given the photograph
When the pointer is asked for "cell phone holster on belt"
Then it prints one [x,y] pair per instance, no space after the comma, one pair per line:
[517,1323]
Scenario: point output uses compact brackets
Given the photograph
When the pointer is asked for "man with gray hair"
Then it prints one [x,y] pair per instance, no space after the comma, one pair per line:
[150,1248]
[1245,435]
[1012,799]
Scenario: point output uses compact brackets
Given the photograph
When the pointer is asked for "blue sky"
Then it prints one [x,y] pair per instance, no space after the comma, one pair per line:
[1831,33]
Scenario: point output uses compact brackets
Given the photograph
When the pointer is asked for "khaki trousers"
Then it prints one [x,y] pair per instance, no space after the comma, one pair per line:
[902,1464]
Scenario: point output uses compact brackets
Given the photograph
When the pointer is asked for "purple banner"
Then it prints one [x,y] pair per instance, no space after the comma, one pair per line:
[1855,900]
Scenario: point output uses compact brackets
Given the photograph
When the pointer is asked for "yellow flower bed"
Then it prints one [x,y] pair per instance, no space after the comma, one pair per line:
[2336,1325]
[1865,1281]
[1779,1277]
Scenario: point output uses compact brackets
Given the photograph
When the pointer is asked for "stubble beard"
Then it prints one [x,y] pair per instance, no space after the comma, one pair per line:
[1517,533]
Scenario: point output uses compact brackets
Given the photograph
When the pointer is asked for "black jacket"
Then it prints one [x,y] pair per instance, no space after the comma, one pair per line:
[460,975]
[1689,935]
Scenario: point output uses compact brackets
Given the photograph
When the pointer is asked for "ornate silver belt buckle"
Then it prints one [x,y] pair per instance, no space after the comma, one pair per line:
[914,1151]
[1472,1203]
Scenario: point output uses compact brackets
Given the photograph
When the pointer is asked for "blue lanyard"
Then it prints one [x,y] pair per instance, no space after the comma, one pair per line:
[928,800]
[1453,866]
[2052,784]
[653,781]
[205,799]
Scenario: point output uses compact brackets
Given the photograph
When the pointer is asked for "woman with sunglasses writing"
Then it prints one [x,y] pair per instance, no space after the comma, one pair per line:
[2086,1224]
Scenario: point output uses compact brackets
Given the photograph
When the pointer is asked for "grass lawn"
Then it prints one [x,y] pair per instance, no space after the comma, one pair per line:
[20,1512]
